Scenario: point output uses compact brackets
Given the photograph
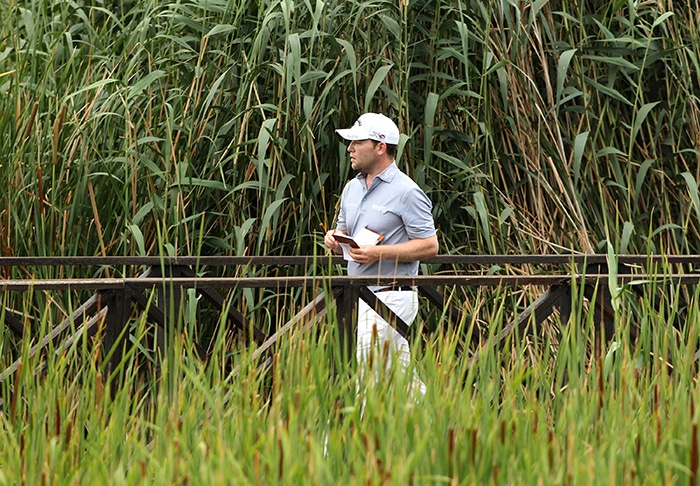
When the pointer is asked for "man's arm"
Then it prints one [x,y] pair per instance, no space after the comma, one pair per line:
[408,251]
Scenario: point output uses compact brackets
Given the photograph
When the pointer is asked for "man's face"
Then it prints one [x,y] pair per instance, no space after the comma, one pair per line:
[363,155]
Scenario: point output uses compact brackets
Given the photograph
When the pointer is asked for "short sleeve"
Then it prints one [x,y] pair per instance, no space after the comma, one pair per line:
[417,214]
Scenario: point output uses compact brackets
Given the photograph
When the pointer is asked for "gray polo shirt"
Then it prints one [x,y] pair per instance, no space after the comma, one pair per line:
[396,207]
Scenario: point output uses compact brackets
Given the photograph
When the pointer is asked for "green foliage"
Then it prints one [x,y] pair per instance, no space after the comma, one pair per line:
[145,127]
[541,407]
[207,127]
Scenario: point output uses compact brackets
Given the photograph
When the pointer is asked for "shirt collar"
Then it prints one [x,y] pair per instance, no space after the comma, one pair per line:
[386,175]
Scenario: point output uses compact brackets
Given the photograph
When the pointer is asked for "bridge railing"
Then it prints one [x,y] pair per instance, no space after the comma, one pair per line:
[112,298]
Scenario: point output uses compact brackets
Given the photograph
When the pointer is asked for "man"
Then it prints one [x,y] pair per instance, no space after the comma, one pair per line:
[387,201]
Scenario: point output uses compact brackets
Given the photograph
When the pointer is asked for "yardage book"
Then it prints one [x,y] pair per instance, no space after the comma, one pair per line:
[363,237]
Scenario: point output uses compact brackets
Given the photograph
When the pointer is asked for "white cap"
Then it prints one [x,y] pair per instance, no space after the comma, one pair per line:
[372,126]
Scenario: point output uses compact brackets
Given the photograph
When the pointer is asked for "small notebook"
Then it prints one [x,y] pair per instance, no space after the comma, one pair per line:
[363,237]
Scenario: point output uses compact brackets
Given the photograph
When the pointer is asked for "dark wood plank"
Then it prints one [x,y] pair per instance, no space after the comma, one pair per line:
[541,308]
[313,281]
[199,261]
[85,309]
[213,297]
[384,311]
[346,305]
[158,319]
[114,338]
[14,324]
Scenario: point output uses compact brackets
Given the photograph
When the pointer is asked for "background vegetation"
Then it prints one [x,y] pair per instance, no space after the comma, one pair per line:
[206,128]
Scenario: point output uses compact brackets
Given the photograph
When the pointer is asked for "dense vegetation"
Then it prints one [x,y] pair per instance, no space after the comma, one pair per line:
[205,127]
[130,127]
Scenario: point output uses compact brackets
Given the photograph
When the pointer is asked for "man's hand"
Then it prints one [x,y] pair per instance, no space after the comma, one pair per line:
[365,254]
[408,251]
[331,242]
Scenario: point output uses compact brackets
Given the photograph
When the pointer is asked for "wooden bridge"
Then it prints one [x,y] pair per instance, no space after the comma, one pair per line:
[158,289]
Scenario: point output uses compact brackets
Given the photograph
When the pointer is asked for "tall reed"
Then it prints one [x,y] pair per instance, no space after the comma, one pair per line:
[197,128]
[539,409]
[186,128]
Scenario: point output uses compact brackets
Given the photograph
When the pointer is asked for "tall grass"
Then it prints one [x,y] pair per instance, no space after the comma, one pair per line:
[197,128]
[208,127]
[522,413]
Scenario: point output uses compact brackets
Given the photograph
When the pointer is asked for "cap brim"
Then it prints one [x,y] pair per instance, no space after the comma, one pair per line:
[351,134]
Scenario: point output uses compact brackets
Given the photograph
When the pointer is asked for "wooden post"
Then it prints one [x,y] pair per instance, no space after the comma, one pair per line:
[115,333]
[603,311]
[346,304]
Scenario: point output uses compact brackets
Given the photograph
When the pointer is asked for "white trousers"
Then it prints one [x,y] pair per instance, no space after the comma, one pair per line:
[378,342]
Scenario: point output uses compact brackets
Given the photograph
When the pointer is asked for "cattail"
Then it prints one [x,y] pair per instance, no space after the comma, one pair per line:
[69,432]
[280,464]
[656,398]
[534,422]
[56,133]
[30,124]
[99,389]
[307,441]
[256,467]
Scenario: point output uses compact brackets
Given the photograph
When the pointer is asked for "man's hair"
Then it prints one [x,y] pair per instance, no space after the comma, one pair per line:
[391,149]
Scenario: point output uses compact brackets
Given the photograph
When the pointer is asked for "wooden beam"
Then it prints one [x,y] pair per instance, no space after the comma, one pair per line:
[86,308]
[312,281]
[541,308]
[199,261]
[233,314]
[384,311]
[14,324]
